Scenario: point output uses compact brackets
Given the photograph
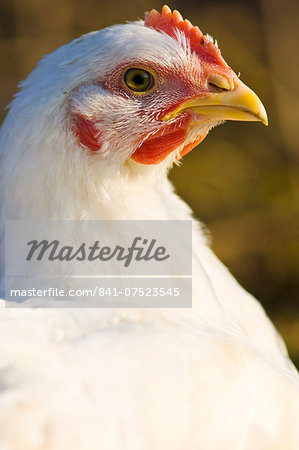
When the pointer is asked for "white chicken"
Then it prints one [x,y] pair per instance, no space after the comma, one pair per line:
[91,135]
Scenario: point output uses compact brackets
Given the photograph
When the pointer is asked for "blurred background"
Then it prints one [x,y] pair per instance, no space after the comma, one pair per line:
[243,181]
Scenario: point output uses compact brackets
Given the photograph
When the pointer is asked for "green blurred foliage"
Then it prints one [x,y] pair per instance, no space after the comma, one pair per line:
[242,181]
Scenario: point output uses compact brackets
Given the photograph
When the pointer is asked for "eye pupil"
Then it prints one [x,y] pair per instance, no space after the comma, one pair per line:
[138,80]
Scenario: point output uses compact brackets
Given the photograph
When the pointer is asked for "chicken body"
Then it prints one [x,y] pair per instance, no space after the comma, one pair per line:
[78,145]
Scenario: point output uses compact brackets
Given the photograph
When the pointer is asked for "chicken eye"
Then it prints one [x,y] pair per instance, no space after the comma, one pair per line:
[138,80]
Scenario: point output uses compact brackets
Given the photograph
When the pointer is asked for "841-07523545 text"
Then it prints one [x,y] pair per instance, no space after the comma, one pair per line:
[98,291]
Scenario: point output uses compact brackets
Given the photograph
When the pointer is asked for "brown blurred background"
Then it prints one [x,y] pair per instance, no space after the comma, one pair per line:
[243,180]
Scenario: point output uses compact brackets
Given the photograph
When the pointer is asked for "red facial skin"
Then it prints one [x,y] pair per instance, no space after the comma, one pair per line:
[153,150]
[166,138]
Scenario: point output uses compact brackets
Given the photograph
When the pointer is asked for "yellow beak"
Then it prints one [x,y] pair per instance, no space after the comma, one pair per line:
[239,103]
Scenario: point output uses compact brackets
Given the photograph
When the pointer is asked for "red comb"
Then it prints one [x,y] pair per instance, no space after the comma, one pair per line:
[171,22]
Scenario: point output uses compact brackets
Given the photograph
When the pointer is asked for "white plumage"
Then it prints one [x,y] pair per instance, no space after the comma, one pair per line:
[216,376]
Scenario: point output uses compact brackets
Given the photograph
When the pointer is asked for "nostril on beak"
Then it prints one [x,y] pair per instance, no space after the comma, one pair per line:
[219,82]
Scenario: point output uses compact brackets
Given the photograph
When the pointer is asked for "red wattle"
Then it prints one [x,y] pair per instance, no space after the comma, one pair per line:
[166,140]
[156,148]
[193,144]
